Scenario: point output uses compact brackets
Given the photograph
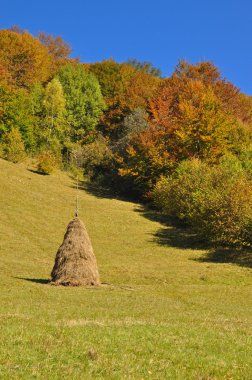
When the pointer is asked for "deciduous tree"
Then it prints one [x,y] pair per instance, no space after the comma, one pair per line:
[58,49]
[25,59]
[54,103]
[84,101]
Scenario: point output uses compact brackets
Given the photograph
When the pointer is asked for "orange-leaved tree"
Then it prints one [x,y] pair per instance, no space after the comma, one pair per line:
[124,88]
[58,49]
[189,117]
[25,59]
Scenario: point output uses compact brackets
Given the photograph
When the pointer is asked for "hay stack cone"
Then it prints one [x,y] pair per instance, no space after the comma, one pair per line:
[75,262]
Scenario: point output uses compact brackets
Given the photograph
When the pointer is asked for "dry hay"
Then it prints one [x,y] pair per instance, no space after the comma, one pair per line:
[75,262]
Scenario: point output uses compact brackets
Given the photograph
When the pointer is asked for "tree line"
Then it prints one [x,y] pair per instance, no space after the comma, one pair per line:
[183,142]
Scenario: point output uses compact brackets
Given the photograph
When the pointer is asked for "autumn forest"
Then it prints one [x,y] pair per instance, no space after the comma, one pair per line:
[182,144]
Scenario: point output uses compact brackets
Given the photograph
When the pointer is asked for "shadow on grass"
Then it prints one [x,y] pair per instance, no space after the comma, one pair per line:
[102,285]
[238,256]
[179,237]
[102,191]
[173,234]
[37,172]
[35,280]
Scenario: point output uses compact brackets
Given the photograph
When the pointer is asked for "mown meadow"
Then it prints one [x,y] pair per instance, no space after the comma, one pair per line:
[168,307]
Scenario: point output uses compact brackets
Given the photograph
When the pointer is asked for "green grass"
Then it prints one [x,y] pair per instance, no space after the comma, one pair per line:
[165,313]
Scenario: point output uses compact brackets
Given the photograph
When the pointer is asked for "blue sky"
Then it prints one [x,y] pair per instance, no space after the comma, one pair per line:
[158,31]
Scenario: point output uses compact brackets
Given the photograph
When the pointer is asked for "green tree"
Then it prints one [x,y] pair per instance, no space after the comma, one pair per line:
[36,98]
[16,111]
[12,146]
[54,103]
[108,73]
[84,101]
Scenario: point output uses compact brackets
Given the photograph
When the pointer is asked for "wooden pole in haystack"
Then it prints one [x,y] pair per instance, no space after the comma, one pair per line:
[77,198]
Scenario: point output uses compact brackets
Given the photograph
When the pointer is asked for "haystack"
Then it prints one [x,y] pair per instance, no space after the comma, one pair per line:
[75,262]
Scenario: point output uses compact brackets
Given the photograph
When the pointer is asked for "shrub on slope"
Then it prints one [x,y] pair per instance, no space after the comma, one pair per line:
[215,201]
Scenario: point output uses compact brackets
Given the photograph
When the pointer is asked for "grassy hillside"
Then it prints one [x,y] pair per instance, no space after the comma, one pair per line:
[165,311]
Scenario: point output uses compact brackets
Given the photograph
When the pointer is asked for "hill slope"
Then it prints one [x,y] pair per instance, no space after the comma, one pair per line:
[165,313]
